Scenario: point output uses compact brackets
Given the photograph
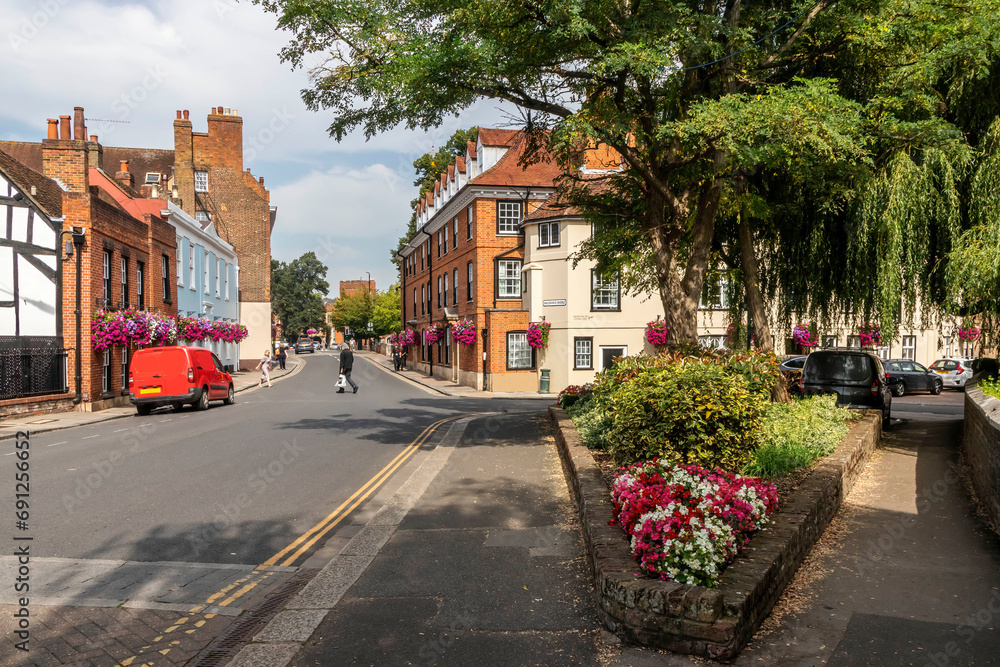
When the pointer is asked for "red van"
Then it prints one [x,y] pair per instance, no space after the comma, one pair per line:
[177,375]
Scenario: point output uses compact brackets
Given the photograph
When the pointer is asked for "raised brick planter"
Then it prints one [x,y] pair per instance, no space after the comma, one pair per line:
[712,622]
[981,448]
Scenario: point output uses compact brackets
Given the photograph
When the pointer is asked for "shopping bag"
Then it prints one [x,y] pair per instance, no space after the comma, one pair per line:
[342,381]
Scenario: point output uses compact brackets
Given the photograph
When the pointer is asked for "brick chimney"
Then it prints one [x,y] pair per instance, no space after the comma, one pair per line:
[225,139]
[124,177]
[65,158]
[184,163]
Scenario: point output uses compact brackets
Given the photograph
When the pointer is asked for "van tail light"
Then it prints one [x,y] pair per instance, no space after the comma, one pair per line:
[130,380]
[190,374]
[875,388]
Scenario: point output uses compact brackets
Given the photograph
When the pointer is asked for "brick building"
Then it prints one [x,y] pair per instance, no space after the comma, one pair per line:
[204,176]
[125,250]
[465,263]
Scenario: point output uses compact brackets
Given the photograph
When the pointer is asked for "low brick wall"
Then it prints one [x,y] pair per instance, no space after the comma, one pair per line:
[36,405]
[712,622]
[981,448]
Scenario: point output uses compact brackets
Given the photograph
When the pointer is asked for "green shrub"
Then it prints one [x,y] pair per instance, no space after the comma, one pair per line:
[796,434]
[691,412]
[990,386]
[591,420]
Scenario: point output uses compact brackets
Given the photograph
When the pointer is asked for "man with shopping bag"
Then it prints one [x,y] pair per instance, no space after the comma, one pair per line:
[346,366]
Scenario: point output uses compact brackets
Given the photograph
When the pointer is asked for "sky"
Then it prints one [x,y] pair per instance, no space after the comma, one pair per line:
[132,65]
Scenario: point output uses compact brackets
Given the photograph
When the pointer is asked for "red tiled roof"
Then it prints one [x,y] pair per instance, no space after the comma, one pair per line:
[553,207]
[460,164]
[135,207]
[140,160]
[451,171]
[544,172]
[491,136]
[470,148]
[48,194]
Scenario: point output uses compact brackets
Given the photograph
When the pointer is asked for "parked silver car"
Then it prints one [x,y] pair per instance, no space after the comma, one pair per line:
[953,372]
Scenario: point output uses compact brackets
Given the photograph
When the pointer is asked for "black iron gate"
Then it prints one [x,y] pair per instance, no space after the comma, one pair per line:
[31,367]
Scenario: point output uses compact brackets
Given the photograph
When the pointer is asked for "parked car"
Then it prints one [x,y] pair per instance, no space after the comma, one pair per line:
[857,377]
[912,377]
[177,375]
[304,344]
[792,364]
[953,372]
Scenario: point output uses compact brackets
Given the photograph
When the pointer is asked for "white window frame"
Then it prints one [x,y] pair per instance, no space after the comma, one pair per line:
[203,216]
[445,292]
[165,276]
[206,265]
[444,231]
[470,275]
[140,300]
[601,348]
[829,341]
[439,291]
[180,262]
[200,181]
[854,342]
[469,220]
[717,299]
[225,280]
[106,371]
[604,294]
[454,236]
[191,270]
[968,348]
[508,217]
[423,299]
[548,235]
[124,293]
[910,348]
[106,282]
[712,341]
[509,279]
[124,367]
[519,356]
[583,349]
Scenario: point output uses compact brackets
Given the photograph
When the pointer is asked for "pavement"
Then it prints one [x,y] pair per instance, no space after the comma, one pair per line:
[55,421]
[446,387]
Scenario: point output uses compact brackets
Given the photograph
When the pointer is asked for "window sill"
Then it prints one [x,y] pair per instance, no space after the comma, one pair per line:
[605,310]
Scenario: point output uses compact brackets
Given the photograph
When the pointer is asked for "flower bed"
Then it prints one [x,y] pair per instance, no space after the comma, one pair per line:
[572,394]
[687,523]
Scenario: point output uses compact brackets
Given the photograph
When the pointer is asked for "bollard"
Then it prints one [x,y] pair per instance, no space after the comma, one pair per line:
[543,383]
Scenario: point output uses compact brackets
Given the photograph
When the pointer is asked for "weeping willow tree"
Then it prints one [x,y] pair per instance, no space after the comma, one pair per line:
[972,275]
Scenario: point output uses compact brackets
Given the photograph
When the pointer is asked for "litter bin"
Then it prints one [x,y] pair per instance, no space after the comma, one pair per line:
[543,384]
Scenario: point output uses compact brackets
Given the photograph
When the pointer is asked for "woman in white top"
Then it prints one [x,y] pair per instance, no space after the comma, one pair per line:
[265,369]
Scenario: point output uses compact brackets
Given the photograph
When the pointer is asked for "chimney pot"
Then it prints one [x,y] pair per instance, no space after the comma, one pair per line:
[64,127]
[220,108]
[93,138]
[79,129]
[262,181]
[53,128]
[124,166]
[178,114]
[186,116]
[213,111]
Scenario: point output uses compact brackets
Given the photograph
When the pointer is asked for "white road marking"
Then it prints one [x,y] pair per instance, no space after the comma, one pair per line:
[120,430]
[54,444]
[88,437]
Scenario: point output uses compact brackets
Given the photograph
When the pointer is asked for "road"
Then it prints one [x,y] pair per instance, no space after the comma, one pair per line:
[210,511]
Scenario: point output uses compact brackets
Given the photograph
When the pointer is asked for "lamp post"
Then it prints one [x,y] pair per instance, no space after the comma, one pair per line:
[79,236]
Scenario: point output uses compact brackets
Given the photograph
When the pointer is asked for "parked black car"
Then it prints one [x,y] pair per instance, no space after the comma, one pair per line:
[912,377]
[792,364]
[857,377]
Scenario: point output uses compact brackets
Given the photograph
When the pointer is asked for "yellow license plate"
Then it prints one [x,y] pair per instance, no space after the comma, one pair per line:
[941,372]
[149,390]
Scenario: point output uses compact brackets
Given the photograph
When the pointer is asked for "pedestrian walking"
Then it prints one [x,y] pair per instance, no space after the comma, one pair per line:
[346,366]
[397,358]
[265,369]
[282,357]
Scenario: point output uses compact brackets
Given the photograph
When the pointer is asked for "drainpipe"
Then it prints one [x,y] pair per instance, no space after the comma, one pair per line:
[430,272]
[78,239]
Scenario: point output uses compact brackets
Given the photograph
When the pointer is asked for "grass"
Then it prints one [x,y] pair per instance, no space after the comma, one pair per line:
[798,433]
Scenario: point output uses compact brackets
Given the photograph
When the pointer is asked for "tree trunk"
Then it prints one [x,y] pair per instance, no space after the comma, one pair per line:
[680,312]
[755,302]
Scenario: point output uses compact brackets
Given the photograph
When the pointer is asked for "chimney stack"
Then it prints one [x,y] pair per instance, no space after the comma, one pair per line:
[64,127]
[124,177]
[79,128]
[53,128]
[261,181]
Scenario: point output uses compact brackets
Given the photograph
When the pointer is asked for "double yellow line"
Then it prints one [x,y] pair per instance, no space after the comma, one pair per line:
[314,534]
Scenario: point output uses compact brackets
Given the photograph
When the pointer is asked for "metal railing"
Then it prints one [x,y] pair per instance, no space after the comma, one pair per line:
[32,372]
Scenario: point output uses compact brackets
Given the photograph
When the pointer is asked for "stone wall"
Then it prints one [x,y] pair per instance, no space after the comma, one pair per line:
[712,622]
[981,448]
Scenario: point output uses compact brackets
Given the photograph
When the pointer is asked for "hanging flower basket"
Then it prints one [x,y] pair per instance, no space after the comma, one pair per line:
[969,334]
[538,335]
[802,335]
[464,332]
[435,333]
[869,335]
[656,332]
[137,328]
[408,338]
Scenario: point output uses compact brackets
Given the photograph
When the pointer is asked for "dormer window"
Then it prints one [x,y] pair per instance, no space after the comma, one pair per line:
[152,177]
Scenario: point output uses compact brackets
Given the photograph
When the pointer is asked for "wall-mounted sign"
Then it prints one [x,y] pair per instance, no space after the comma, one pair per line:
[554,302]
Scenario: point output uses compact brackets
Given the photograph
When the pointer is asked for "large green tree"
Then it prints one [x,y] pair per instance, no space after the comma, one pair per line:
[358,308]
[696,95]
[297,291]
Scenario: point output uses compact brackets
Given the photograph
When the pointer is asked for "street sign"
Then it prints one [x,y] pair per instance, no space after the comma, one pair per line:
[554,302]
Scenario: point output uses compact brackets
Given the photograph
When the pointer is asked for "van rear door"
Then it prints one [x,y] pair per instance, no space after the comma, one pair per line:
[160,371]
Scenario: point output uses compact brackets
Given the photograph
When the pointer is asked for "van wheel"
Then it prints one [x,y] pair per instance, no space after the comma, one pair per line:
[231,398]
[143,410]
[202,400]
